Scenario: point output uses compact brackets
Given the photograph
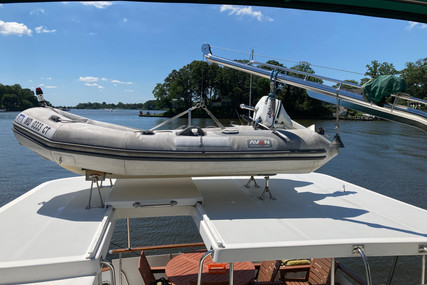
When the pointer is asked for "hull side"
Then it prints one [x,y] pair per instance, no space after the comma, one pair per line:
[121,152]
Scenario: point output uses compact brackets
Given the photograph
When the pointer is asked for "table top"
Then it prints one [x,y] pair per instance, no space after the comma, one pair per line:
[183,270]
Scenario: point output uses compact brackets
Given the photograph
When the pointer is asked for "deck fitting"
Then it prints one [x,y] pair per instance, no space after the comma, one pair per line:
[422,248]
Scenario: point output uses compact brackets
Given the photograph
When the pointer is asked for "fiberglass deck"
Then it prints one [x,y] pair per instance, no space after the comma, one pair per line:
[312,216]
[48,234]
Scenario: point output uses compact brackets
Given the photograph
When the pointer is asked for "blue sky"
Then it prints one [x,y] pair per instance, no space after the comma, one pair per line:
[118,51]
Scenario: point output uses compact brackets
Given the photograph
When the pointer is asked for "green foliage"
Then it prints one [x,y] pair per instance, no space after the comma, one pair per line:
[297,102]
[224,89]
[149,105]
[415,74]
[14,98]
[376,69]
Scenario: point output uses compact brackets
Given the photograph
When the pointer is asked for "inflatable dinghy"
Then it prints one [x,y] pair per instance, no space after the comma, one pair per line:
[82,145]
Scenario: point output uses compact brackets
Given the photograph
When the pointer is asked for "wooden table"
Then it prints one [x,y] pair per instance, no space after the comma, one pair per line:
[183,270]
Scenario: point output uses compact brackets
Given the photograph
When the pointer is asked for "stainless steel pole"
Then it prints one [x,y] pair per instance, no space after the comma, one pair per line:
[423,269]
[202,259]
[231,273]
[128,227]
[250,84]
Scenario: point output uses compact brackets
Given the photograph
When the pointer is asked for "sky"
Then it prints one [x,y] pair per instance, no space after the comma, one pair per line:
[118,51]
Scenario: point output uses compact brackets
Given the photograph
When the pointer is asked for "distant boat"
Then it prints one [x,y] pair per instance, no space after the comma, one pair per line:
[2,110]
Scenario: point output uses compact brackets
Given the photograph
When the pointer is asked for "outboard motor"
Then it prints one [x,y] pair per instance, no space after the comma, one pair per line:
[270,112]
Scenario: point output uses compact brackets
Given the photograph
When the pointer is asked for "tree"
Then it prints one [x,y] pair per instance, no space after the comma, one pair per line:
[376,69]
[15,98]
[415,74]
[296,100]
[11,102]
[162,99]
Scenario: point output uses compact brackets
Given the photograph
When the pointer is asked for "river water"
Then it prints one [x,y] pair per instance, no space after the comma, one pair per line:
[385,157]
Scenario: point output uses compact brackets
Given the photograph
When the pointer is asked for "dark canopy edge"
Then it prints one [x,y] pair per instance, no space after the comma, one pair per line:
[411,10]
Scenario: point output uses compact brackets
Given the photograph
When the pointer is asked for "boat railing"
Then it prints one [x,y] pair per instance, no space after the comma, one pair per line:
[339,267]
[339,92]
[111,269]
[156,247]
[350,274]
[307,75]
[121,251]
[342,84]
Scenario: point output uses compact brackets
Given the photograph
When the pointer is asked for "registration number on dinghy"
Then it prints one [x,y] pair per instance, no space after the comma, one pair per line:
[32,124]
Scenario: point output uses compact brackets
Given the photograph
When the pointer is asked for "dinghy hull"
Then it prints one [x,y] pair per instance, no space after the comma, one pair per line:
[80,145]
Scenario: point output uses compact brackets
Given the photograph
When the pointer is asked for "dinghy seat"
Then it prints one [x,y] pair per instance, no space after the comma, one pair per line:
[191,131]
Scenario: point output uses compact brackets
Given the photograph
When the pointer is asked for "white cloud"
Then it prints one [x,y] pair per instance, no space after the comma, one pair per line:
[412,25]
[115,82]
[91,84]
[98,4]
[38,12]
[88,79]
[125,20]
[47,86]
[44,30]
[92,81]
[245,11]
[14,28]
[46,78]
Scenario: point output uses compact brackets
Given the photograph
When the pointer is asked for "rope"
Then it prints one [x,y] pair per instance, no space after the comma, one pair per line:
[289,60]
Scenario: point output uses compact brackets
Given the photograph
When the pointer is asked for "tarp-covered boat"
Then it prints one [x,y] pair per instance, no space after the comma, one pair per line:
[81,145]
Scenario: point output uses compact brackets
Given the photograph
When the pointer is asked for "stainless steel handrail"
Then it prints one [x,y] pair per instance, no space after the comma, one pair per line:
[360,249]
[112,273]
[347,98]
[202,259]
[351,84]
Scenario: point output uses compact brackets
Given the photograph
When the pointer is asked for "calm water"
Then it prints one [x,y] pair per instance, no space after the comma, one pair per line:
[384,157]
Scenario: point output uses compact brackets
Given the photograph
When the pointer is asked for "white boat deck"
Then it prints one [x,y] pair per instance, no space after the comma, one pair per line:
[49,235]
[312,216]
